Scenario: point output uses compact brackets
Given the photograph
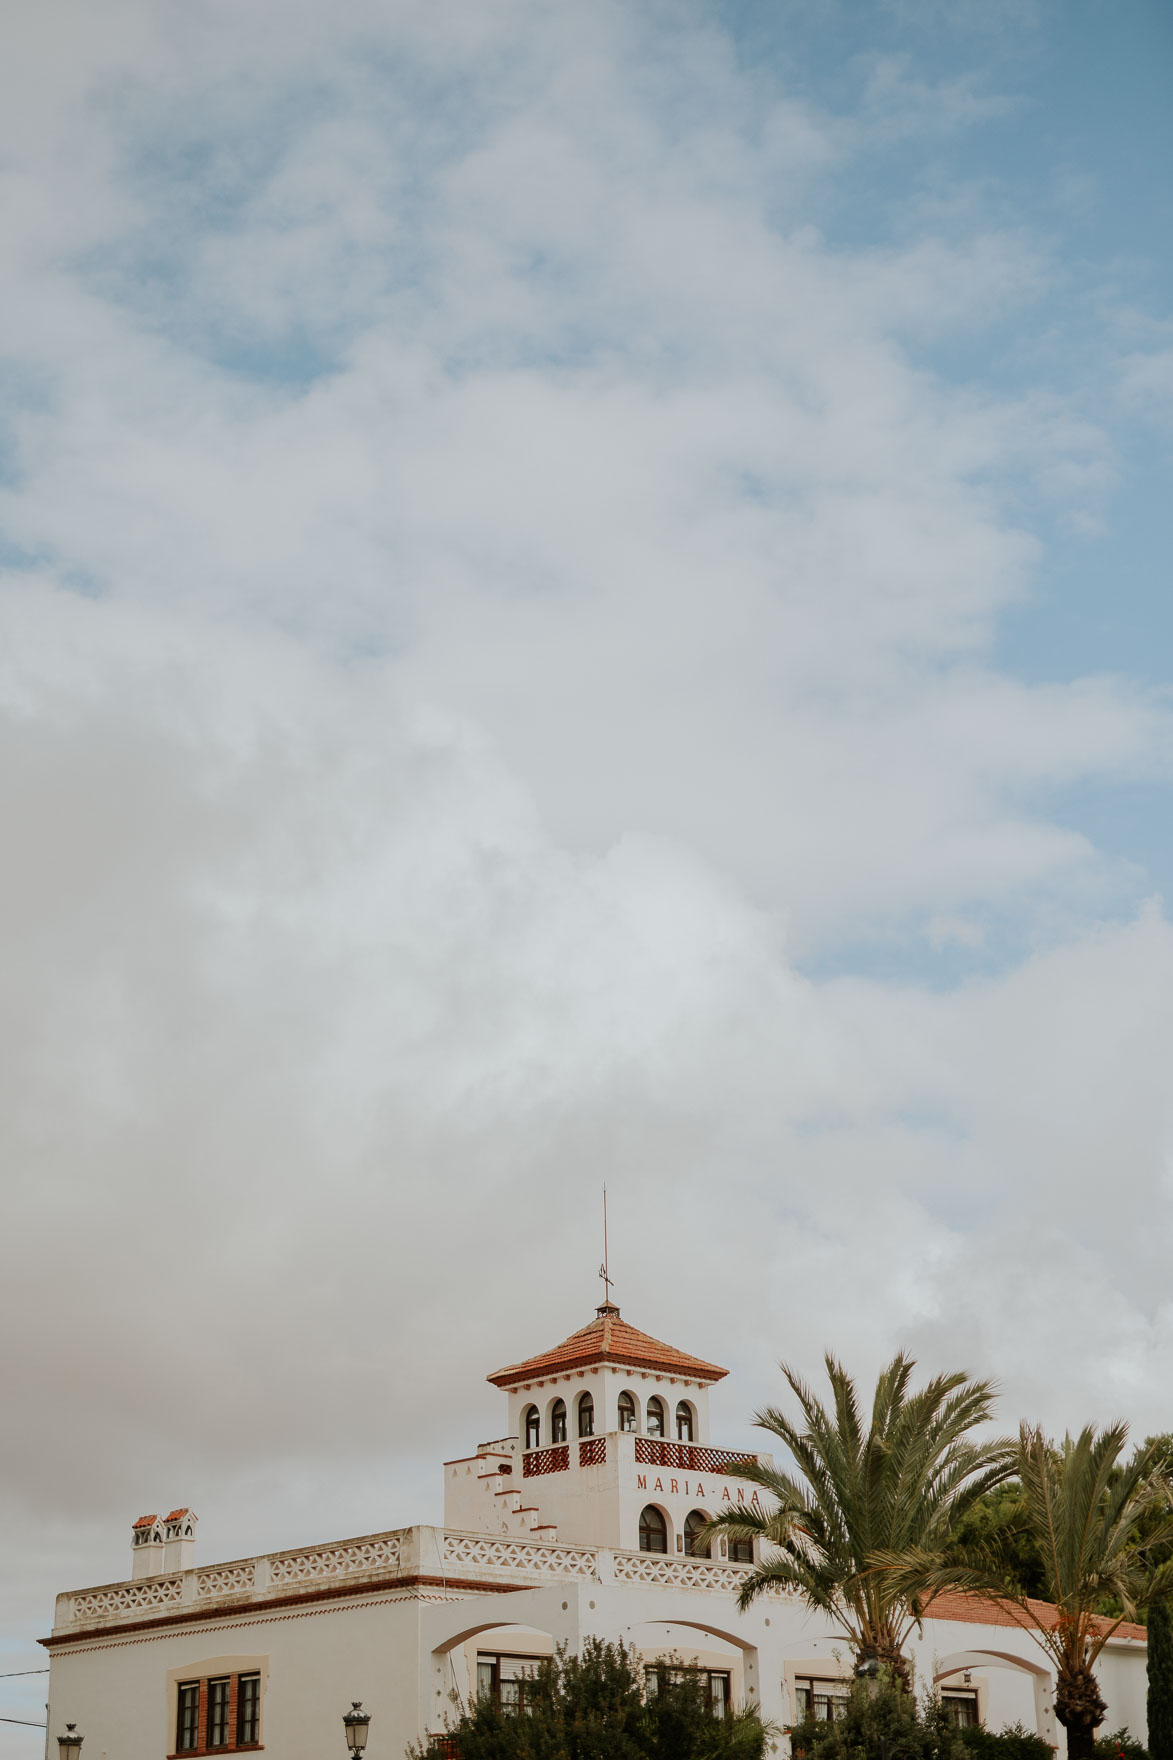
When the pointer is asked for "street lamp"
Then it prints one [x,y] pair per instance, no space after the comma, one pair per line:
[867,1670]
[356,1723]
[69,1745]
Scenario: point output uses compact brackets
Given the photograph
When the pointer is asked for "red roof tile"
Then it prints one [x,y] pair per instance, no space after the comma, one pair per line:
[607,1339]
[977,1610]
[176,1513]
[145,1521]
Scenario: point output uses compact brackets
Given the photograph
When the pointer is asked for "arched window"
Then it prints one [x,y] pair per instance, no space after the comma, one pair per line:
[684,1422]
[741,1551]
[586,1415]
[533,1427]
[693,1544]
[653,1531]
[657,1420]
[558,1421]
[626,1411]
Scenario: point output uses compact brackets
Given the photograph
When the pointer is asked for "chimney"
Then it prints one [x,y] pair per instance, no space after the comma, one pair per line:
[179,1541]
[147,1544]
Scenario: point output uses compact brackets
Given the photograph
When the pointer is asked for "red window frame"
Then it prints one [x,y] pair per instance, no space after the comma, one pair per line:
[218,1713]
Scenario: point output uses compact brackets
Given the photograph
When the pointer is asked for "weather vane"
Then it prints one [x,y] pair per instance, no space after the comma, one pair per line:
[604,1271]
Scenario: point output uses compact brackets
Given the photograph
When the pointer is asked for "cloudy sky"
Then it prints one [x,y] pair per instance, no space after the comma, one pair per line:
[585,595]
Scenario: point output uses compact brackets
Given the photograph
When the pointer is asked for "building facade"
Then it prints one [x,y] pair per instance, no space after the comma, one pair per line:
[583,1519]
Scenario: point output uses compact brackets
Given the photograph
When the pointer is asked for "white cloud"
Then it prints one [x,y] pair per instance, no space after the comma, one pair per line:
[504,594]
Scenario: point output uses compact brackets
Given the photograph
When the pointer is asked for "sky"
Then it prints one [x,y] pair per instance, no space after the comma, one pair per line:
[584,596]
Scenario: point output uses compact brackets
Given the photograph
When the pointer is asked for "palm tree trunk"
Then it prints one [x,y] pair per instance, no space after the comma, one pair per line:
[893,1658]
[1080,1708]
[890,1657]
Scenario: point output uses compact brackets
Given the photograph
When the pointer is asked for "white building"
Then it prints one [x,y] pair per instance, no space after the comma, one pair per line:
[580,1520]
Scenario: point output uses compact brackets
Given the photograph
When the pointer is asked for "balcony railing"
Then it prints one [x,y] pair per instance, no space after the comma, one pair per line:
[546,1460]
[683,1457]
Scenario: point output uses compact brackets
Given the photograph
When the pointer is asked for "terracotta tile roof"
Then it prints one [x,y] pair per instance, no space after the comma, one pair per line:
[176,1513]
[977,1610]
[607,1339]
[146,1521]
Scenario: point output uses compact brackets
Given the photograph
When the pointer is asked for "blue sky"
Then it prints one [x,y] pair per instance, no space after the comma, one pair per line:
[583,593]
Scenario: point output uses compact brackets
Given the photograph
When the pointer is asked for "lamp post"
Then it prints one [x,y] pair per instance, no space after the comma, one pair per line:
[69,1745]
[867,1670]
[356,1723]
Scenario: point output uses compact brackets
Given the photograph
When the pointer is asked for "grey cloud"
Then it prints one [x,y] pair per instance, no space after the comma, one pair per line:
[429,776]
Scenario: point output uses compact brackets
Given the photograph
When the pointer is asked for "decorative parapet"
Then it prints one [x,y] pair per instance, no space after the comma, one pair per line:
[316,1564]
[241,1583]
[465,1564]
[679,1573]
[126,1598]
[519,1557]
[225,1579]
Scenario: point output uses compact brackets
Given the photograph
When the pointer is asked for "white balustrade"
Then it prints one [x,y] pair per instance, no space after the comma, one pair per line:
[127,1597]
[320,1562]
[391,1555]
[520,1557]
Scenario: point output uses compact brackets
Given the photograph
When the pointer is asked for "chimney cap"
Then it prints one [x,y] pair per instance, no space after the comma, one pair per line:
[146,1521]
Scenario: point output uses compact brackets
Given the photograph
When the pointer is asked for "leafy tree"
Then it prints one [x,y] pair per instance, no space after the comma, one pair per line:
[595,1707]
[1160,1670]
[681,1725]
[1095,1522]
[880,1720]
[999,1521]
[897,1483]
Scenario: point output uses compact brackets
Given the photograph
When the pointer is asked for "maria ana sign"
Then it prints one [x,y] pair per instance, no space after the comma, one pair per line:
[680,1488]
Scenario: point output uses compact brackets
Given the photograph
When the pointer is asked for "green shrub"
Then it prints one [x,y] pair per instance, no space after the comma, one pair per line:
[883,1723]
[1120,1746]
[1012,1743]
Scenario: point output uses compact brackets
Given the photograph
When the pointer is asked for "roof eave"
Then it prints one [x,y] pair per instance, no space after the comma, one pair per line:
[519,1373]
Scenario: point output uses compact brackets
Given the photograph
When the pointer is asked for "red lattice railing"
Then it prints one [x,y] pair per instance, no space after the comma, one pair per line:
[546,1460]
[592,1451]
[682,1457]
[443,1748]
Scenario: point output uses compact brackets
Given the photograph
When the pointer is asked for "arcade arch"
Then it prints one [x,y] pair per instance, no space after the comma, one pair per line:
[948,1669]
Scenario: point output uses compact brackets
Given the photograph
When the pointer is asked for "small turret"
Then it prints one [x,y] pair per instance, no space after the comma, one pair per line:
[147,1544]
[179,1541]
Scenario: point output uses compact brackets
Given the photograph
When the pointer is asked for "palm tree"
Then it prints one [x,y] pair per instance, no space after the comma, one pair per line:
[894,1485]
[1094,1522]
